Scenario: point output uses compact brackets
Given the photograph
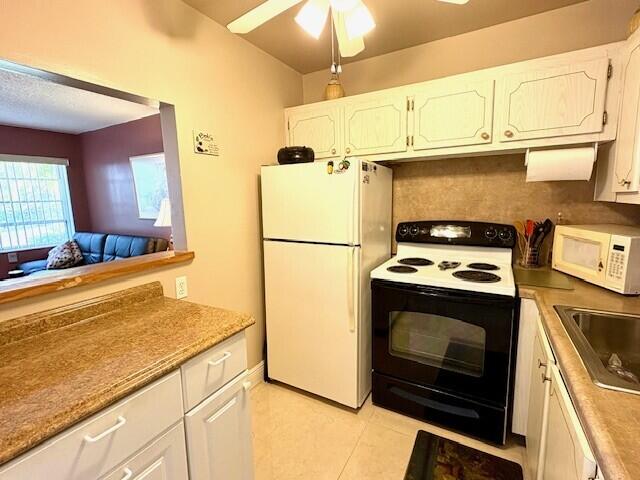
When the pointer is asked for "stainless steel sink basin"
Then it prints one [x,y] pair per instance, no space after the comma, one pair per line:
[608,343]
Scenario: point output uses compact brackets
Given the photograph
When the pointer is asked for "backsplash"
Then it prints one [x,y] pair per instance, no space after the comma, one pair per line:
[494,189]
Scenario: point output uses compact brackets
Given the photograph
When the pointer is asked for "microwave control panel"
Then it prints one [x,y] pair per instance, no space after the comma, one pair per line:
[618,259]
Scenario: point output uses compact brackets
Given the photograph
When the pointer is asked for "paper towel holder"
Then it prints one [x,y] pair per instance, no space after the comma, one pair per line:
[526,156]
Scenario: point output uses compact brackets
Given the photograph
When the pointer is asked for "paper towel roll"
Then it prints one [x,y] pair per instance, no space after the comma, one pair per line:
[560,164]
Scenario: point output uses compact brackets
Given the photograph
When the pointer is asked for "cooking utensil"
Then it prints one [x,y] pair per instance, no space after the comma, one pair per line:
[542,231]
[529,228]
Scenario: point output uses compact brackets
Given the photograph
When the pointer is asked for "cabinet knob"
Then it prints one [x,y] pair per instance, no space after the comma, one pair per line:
[484,135]
[348,150]
[508,133]
[333,151]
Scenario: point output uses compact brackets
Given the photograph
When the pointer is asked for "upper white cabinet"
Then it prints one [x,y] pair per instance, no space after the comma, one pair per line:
[317,127]
[452,113]
[554,101]
[376,125]
[627,151]
[567,455]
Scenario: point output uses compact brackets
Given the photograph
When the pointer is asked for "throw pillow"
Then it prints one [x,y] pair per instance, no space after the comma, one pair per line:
[64,256]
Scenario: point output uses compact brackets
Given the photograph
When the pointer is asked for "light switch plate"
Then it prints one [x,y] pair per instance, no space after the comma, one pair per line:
[205,144]
[181,287]
[12,257]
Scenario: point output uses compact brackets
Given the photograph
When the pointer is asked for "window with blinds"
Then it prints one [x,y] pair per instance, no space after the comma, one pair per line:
[35,206]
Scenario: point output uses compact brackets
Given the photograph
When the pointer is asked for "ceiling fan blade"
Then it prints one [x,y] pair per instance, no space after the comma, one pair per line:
[261,14]
[349,47]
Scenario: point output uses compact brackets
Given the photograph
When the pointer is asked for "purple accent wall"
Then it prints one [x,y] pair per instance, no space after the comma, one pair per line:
[109,180]
[27,141]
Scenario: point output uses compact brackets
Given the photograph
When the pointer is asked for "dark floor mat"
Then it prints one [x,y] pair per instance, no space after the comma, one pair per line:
[436,458]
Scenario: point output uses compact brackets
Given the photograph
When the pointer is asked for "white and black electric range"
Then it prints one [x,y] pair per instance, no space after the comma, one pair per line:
[445,325]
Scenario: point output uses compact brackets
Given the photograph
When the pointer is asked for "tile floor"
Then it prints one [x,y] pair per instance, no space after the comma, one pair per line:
[299,436]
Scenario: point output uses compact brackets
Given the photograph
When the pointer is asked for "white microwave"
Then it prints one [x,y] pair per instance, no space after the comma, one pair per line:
[606,255]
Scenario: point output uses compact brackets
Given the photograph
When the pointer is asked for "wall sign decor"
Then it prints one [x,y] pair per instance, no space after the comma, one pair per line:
[205,144]
[150,182]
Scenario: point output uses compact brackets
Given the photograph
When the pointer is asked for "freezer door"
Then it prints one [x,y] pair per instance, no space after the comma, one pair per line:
[311,202]
[312,318]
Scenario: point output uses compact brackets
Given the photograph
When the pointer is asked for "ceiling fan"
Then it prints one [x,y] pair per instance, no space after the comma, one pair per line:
[351,18]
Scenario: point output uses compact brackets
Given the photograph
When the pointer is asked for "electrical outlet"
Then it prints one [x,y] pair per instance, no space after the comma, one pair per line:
[12,257]
[181,287]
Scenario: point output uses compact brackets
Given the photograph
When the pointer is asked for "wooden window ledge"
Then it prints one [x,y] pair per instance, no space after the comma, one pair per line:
[50,281]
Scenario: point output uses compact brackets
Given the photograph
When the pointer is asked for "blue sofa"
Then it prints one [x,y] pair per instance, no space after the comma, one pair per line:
[104,247]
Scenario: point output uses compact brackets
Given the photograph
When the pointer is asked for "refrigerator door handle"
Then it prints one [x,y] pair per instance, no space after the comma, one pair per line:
[355,202]
[353,310]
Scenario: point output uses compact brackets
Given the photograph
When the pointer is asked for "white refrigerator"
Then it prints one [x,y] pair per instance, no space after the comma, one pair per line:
[326,225]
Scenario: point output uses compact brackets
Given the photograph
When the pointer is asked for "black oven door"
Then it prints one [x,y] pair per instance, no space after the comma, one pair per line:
[450,340]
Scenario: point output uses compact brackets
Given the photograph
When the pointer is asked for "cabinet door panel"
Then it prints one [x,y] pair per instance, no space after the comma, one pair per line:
[567,454]
[376,126]
[541,359]
[164,459]
[219,435]
[627,156]
[551,102]
[319,128]
[453,114]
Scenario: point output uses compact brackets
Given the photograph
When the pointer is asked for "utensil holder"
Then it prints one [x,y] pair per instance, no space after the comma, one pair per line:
[530,257]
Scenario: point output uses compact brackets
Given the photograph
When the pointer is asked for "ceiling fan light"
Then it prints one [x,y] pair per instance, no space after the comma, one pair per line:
[457,2]
[359,21]
[344,5]
[313,16]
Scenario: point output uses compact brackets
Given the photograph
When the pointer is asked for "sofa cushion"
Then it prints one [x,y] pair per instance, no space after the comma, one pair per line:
[33,266]
[125,246]
[64,256]
[91,245]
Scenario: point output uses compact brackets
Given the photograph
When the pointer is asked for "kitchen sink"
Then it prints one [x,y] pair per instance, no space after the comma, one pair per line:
[608,343]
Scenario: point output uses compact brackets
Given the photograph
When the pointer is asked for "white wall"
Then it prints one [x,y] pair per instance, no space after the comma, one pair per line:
[577,26]
[165,50]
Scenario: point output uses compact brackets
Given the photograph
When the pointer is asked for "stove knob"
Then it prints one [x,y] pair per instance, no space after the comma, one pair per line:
[403,230]
[490,233]
[505,235]
[414,230]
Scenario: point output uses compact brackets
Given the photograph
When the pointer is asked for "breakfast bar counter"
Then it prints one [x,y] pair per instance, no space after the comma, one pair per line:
[61,366]
[610,419]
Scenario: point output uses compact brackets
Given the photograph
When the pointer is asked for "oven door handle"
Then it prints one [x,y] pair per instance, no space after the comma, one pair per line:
[435,405]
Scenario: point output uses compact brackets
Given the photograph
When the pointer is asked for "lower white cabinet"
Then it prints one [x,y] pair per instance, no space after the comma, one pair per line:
[142,437]
[164,459]
[556,446]
[567,456]
[219,435]
[95,446]
[539,389]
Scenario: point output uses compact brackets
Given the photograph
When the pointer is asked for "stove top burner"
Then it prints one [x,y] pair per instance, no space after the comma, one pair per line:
[476,276]
[415,261]
[483,266]
[401,269]
[445,265]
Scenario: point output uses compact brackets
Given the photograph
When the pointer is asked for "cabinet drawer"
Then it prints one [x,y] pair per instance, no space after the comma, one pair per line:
[206,373]
[165,458]
[98,444]
[219,435]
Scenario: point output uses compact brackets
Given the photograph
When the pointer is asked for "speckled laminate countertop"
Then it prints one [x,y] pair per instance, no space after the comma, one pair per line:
[61,366]
[611,419]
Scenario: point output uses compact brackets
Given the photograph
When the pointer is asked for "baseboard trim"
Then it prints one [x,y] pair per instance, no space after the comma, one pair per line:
[256,375]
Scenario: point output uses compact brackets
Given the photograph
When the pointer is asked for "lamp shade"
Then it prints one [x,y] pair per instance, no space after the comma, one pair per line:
[164,215]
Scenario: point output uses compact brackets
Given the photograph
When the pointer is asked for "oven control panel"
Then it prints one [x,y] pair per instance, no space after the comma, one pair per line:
[457,233]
